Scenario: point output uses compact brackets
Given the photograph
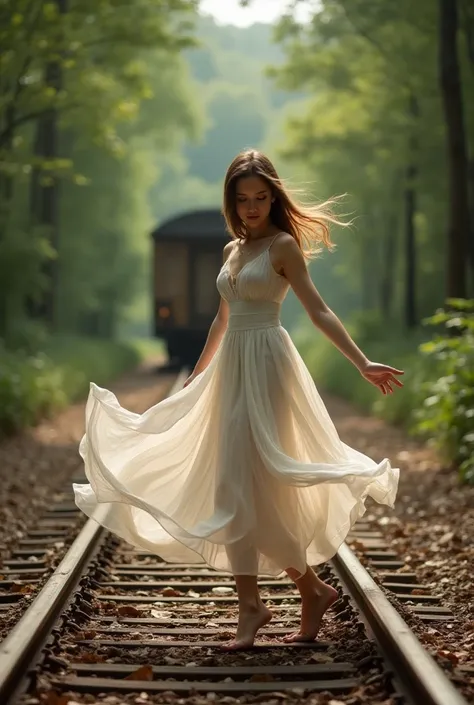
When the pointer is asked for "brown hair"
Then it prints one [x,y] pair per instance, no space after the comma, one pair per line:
[308,224]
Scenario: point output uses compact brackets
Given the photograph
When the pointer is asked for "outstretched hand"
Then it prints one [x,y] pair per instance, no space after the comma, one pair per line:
[382,376]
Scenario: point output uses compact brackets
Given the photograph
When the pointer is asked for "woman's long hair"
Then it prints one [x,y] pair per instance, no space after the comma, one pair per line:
[308,224]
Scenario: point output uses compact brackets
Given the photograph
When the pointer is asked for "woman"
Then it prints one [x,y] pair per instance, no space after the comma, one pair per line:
[243,469]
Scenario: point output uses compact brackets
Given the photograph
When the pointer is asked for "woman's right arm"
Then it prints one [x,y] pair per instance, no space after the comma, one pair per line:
[290,258]
[216,331]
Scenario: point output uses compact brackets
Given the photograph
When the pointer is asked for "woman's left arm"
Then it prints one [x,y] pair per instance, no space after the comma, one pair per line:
[289,261]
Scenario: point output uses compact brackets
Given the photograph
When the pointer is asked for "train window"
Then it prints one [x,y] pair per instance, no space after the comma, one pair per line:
[206,267]
[171,283]
[171,265]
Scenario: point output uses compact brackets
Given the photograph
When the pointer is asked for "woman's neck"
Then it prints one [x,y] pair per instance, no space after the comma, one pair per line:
[261,233]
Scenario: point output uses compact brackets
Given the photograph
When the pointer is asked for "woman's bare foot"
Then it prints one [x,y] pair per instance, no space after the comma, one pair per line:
[314,605]
[251,619]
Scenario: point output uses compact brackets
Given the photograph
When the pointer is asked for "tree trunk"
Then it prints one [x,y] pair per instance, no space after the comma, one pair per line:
[411,174]
[470,245]
[44,198]
[467,23]
[451,91]
[11,92]
[6,195]
[388,267]
[366,263]
[410,249]
[44,212]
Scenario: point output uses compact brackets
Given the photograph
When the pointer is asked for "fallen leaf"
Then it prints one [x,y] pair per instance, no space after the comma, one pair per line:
[449,655]
[90,657]
[144,673]
[52,698]
[128,611]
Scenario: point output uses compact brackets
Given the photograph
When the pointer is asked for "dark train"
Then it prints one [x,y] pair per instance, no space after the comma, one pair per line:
[187,259]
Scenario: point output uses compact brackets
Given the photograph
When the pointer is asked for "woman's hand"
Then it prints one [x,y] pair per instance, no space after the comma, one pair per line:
[381,376]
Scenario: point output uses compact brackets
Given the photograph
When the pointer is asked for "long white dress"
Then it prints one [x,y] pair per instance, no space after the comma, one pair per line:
[242,470]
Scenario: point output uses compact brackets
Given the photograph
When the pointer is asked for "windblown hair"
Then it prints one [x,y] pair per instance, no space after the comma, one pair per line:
[308,224]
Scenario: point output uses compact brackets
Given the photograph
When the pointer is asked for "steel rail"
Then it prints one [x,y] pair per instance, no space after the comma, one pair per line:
[419,676]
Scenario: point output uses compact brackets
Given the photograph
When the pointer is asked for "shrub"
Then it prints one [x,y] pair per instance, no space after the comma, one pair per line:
[447,412]
[30,387]
[36,385]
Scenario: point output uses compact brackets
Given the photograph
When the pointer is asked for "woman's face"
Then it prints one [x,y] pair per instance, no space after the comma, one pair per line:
[254,201]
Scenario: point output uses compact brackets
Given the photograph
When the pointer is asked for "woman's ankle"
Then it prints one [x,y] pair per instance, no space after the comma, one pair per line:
[309,584]
[251,604]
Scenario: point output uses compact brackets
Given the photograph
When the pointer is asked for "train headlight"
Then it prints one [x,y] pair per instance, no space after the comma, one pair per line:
[164,312]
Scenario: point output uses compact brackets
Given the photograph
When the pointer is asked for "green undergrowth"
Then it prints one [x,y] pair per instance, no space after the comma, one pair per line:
[37,384]
[447,413]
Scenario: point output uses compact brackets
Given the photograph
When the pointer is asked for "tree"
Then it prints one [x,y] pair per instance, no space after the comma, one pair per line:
[450,81]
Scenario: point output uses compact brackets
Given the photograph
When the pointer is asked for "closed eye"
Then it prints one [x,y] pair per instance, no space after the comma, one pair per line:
[259,198]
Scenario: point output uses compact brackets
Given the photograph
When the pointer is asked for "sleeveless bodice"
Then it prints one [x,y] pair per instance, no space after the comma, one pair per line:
[257,281]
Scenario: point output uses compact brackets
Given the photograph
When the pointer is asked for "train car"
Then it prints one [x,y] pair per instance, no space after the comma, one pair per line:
[187,259]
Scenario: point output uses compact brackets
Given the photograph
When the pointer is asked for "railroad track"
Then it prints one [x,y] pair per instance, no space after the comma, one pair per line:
[114,620]
[38,552]
[26,568]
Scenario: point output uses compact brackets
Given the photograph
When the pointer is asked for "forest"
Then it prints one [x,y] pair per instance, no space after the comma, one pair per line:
[114,117]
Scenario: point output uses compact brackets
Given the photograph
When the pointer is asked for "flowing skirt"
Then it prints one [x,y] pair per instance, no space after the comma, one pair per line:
[242,470]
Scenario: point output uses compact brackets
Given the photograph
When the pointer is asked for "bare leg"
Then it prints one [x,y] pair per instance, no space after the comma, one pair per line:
[252,613]
[316,597]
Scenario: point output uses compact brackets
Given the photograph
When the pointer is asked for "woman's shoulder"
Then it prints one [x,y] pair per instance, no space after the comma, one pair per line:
[228,247]
[284,242]
[286,250]
[282,236]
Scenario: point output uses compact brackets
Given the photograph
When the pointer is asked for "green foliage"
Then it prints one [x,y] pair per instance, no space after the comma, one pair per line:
[83,360]
[447,413]
[34,386]
[112,75]
[373,111]
[127,112]
[30,388]
[100,51]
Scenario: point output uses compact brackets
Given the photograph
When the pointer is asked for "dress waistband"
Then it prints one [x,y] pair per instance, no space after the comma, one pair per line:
[247,315]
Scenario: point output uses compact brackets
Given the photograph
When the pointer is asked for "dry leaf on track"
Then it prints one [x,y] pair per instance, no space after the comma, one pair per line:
[144,673]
